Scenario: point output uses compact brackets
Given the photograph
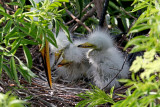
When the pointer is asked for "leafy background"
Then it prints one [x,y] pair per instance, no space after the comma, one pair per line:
[133,24]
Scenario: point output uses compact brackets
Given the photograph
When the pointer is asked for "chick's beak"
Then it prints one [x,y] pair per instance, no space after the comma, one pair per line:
[64,62]
[87,45]
[58,55]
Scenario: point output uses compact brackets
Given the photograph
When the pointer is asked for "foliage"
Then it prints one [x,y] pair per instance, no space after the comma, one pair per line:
[23,25]
[148,20]
[144,90]
[6,100]
[118,16]
[95,97]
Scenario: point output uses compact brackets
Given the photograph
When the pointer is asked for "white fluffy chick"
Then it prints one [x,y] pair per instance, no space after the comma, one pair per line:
[74,64]
[106,60]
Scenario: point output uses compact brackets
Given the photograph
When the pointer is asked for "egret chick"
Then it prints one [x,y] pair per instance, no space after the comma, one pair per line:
[74,64]
[106,60]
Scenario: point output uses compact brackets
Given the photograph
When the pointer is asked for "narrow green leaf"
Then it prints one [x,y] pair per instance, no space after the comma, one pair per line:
[14,3]
[51,37]
[26,69]
[32,28]
[2,9]
[27,56]
[1,36]
[53,43]
[33,3]
[30,42]
[79,4]
[137,41]
[57,27]
[62,0]
[13,69]
[24,29]
[7,27]
[138,48]
[8,71]
[12,33]
[22,2]
[55,4]
[39,31]
[43,38]
[19,11]
[114,6]
[139,28]
[125,22]
[15,45]
[1,64]
[24,74]
[66,31]
[138,7]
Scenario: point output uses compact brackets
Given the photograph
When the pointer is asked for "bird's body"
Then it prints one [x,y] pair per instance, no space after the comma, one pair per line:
[74,63]
[106,60]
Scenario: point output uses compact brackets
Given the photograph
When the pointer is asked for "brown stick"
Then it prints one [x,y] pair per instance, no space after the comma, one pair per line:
[86,16]
[78,21]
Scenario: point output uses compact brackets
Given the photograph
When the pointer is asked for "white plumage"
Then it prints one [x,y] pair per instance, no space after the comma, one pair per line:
[106,60]
[77,64]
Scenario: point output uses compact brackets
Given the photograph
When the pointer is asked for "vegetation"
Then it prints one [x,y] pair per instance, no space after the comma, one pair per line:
[6,100]
[21,26]
[140,21]
[144,89]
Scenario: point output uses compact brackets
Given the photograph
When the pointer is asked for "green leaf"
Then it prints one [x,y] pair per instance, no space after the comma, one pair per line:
[114,6]
[62,0]
[22,2]
[25,30]
[1,64]
[28,42]
[137,41]
[139,28]
[32,28]
[55,4]
[33,3]
[2,9]
[1,36]
[125,22]
[43,38]
[138,48]
[51,37]
[8,71]
[15,45]
[27,56]
[19,11]
[138,7]
[14,3]
[13,69]
[57,27]
[53,43]
[26,69]
[12,33]
[65,31]
[7,27]
[79,4]
[24,74]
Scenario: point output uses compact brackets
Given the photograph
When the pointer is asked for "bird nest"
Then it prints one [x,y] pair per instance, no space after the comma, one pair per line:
[39,94]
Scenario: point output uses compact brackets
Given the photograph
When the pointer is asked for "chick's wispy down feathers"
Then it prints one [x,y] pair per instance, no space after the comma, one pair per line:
[106,60]
[78,63]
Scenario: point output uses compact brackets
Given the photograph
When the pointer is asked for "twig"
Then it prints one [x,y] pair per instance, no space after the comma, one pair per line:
[116,74]
[78,21]
[78,15]
[86,16]
[127,13]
